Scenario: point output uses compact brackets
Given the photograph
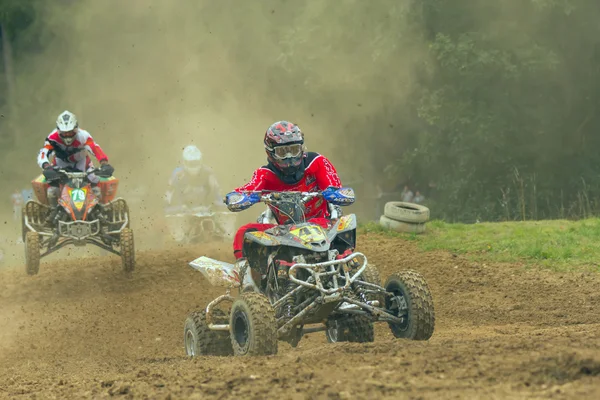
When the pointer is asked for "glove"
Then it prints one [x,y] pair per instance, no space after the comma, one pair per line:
[106,170]
[330,194]
[46,165]
[51,174]
[338,196]
[240,201]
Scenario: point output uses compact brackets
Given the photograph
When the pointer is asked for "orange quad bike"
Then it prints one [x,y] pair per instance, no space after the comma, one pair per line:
[81,218]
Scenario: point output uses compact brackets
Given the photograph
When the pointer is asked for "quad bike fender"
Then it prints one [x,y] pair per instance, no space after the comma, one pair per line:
[218,273]
[108,188]
[311,237]
[346,223]
[40,188]
[261,238]
[248,283]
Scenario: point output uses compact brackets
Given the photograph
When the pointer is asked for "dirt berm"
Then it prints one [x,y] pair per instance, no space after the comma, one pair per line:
[80,329]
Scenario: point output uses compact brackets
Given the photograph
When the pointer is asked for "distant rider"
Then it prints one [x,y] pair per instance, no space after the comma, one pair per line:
[70,146]
[17,202]
[192,184]
[289,168]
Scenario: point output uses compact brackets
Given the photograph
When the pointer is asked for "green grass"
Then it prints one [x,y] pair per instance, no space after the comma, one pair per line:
[557,244]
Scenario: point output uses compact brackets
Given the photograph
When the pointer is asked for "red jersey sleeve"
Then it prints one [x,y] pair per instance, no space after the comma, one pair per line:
[326,174]
[258,181]
[96,149]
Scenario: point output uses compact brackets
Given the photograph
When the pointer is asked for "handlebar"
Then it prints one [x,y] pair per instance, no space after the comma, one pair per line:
[269,197]
[78,174]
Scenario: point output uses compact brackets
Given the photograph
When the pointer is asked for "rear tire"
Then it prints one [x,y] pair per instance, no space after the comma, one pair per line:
[199,340]
[371,275]
[353,328]
[413,299]
[32,253]
[252,326]
[127,250]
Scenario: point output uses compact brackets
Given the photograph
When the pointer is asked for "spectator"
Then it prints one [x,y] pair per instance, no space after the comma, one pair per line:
[27,195]
[17,202]
[418,199]
[407,195]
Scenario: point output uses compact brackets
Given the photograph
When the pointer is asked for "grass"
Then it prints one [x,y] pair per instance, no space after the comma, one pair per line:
[557,244]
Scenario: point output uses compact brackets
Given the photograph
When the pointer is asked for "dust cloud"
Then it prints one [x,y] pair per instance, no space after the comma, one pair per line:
[147,78]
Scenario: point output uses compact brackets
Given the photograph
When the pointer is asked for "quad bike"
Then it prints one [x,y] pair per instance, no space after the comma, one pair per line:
[80,219]
[302,274]
[199,224]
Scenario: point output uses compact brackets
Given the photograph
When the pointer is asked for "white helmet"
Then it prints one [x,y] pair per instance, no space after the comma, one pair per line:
[67,126]
[192,159]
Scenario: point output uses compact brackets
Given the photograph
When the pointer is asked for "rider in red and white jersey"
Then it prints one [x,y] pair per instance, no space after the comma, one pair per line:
[70,146]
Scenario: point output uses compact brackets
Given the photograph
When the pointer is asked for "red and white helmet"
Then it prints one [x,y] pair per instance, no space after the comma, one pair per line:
[67,126]
[284,144]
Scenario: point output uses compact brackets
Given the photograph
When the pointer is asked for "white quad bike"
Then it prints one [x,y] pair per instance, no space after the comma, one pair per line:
[190,225]
[300,274]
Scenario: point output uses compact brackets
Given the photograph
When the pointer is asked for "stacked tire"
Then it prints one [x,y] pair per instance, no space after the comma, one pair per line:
[406,217]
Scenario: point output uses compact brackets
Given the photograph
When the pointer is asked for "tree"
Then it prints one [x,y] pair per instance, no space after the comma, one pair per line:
[511,107]
[17,26]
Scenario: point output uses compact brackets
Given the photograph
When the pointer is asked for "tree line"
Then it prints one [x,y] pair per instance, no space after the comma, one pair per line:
[494,106]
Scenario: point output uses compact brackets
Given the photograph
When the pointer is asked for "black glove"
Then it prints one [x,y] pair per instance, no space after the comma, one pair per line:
[51,174]
[106,170]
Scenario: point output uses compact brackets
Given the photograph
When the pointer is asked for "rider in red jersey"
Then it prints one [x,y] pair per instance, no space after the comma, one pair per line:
[70,146]
[289,168]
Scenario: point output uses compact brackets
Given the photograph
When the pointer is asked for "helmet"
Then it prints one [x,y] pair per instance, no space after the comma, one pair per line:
[284,144]
[67,126]
[192,158]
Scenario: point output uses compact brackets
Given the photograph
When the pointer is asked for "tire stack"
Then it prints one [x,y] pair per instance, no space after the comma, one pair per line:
[404,217]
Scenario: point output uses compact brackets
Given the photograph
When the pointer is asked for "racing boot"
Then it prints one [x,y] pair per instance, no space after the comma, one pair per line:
[248,276]
[52,193]
[97,192]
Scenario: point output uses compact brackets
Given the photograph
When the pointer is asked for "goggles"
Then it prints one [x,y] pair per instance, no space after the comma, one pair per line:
[68,134]
[192,163]
[288,151]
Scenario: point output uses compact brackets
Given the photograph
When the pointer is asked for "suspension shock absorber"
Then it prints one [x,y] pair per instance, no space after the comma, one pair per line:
[52,216]
[291,301]
[358,289]
[360,292]
[283,269]
[59,215]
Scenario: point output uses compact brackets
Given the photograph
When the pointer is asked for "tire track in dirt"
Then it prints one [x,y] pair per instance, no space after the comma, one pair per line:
[83,329]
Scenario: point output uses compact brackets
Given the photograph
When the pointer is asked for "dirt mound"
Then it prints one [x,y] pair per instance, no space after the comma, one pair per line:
[83,329]
[562,368]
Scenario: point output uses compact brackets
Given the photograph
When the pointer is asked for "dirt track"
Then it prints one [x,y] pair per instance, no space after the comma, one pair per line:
[82,329]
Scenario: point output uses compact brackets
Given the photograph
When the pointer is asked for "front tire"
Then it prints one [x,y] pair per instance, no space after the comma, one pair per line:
[355,328]
[127,250]
[252,326]
[199,340]
[32,253]
[412,301]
